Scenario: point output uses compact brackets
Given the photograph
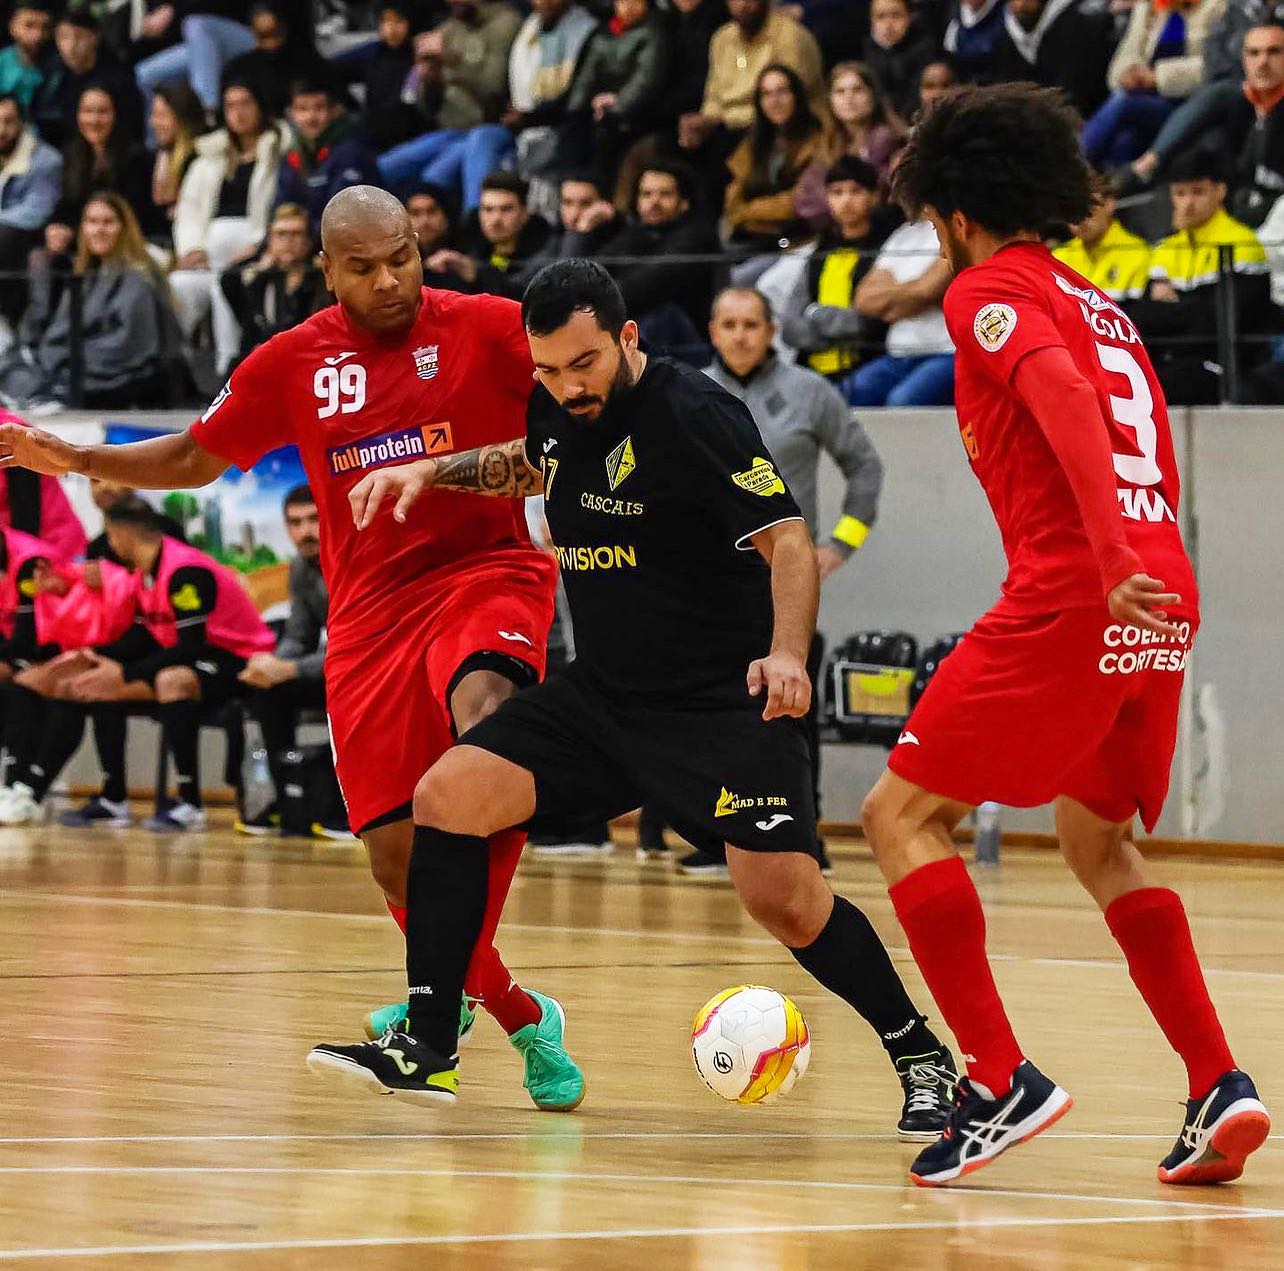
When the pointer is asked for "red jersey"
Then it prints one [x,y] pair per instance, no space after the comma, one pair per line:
[353,402]
[1019,301]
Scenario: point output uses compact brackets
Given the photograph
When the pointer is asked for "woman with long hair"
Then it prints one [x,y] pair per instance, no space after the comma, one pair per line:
[177,122]
[784,139]
[860,125]
[129,335]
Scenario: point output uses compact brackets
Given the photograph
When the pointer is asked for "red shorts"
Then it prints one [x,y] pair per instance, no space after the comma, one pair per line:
[388,697]
[1033,706]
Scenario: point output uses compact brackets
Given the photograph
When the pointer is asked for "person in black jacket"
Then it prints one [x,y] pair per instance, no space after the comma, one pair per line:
[388,120]
[281,56]
[896,50]
[1056,43]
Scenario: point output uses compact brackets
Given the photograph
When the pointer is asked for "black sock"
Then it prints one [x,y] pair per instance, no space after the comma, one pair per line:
[850,960]
[64,726]
[109,741]
[445,906]
[24,719]
[180,722]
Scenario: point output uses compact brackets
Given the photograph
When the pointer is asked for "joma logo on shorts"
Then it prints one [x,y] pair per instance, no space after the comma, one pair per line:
[390,447]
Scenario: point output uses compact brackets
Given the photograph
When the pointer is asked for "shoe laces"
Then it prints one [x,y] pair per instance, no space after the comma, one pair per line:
[926,1084]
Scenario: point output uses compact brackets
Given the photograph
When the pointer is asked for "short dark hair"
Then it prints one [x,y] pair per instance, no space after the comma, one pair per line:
[850,167]
[299,497]
[572,286]
[17,105]
[680,172]
[39,6]
[81,18]
[1006,155]
[769,315]
[582,176]
[1200,164]
[314,85]
[444,198]
[509,182]
[135,512]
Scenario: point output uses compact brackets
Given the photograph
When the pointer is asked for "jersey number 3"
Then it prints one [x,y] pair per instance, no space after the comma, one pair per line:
[1137,412]
[341,388]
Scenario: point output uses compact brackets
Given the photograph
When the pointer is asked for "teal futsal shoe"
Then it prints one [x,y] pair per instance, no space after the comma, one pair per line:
[553,1079]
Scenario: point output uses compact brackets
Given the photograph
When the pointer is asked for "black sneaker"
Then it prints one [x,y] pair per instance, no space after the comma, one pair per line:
[261,825]
[928,1082]
[980,1128]
[395,1064]
[702,865]
[98,813]
[1221,1129]
[652,850]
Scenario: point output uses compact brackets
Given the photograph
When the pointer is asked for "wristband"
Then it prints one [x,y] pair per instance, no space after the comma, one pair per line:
[850,532]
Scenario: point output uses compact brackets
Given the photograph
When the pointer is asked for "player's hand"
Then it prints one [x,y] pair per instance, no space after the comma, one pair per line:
[829,560]
[91,574]
[49,582]
[1141,601]
[266,670]
[405,482]
[785,679]
[22,447]
[102,682]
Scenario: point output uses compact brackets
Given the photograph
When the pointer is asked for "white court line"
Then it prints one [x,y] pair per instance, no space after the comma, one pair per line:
[683,937]
[643,1233]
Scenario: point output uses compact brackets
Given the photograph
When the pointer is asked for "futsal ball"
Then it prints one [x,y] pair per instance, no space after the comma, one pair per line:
[750,1044]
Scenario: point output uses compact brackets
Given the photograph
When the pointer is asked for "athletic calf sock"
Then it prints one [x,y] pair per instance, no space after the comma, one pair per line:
[943,919]
[1151,927]
[490,983]
[109,742]
[64,725]
[851,961]
[398,913]
[181,724]
[445,903]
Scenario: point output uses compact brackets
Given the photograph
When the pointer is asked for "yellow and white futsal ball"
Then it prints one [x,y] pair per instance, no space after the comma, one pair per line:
[750,1044]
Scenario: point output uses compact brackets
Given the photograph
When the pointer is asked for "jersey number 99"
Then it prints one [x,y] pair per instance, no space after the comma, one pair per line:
[340,388]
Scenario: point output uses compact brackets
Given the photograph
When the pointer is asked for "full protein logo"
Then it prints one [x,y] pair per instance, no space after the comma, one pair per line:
[401,446]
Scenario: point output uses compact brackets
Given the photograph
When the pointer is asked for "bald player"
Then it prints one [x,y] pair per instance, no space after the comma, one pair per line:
[431,629]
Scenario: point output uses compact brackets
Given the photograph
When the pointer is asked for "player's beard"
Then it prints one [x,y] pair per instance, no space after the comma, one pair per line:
[955,251]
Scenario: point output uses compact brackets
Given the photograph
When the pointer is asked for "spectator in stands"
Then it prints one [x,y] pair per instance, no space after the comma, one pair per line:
[30,184]
[1115,261]
[904,291]
[1157,65]
[541,67]
[586,219]
[223,208]
[24,64]
[283,287]
[1057,43]
[858,123]
[289,681]
[327,154]
[816,289]
[458,82]
[1248,123]
[973,36]
[128,329]
[388,120]
[281,56]
[614,96]
[100,155]
[668,296]
[500,234]
[937,79]
[1183,296]
[177,123]
[433,213]
[896,50]
[757,36]
[210,33]
[769,162]
[82,60]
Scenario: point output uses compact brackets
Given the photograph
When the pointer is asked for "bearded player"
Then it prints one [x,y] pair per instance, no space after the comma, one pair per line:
[1068,689]
[428,631]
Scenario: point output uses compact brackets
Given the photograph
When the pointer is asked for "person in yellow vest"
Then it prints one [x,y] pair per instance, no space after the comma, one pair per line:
[1178,316]
[1115,261]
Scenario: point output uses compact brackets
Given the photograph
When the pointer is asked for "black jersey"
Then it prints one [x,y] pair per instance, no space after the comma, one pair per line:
[651,508]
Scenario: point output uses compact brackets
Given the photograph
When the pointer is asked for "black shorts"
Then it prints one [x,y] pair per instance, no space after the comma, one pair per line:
[216,670]
[724,770]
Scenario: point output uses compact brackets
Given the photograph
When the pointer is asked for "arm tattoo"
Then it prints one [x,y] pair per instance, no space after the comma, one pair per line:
[499,470]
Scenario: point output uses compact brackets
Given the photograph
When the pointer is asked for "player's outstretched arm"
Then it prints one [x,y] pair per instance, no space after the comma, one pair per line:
[795,594]
[174,462]
[500,470]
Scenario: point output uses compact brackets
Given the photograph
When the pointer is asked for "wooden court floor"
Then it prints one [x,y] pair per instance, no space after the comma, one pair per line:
[157,999]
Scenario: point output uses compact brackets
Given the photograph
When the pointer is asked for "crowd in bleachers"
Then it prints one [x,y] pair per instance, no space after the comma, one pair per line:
[175,158]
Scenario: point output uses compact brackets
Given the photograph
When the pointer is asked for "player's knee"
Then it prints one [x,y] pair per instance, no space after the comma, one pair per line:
[790,916]
[177,684]
[881,819]
[442,802]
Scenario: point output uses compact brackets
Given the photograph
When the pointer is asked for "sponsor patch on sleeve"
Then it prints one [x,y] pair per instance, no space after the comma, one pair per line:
[761,479]
[992,326]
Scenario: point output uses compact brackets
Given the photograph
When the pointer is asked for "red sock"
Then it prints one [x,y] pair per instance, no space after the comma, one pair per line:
[942,916]
[488,978]
[398,914]
[1151,928]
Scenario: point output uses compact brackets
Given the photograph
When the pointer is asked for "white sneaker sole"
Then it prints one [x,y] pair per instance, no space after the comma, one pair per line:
[572,849]
[334,1067]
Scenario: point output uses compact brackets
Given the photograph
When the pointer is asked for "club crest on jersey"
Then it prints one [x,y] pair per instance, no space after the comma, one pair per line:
[426,361]
[993,325]
[761,479]
[620,462]
[401,446]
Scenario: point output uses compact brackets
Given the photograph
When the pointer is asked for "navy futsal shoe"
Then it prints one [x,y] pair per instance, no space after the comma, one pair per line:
[1220,1131]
